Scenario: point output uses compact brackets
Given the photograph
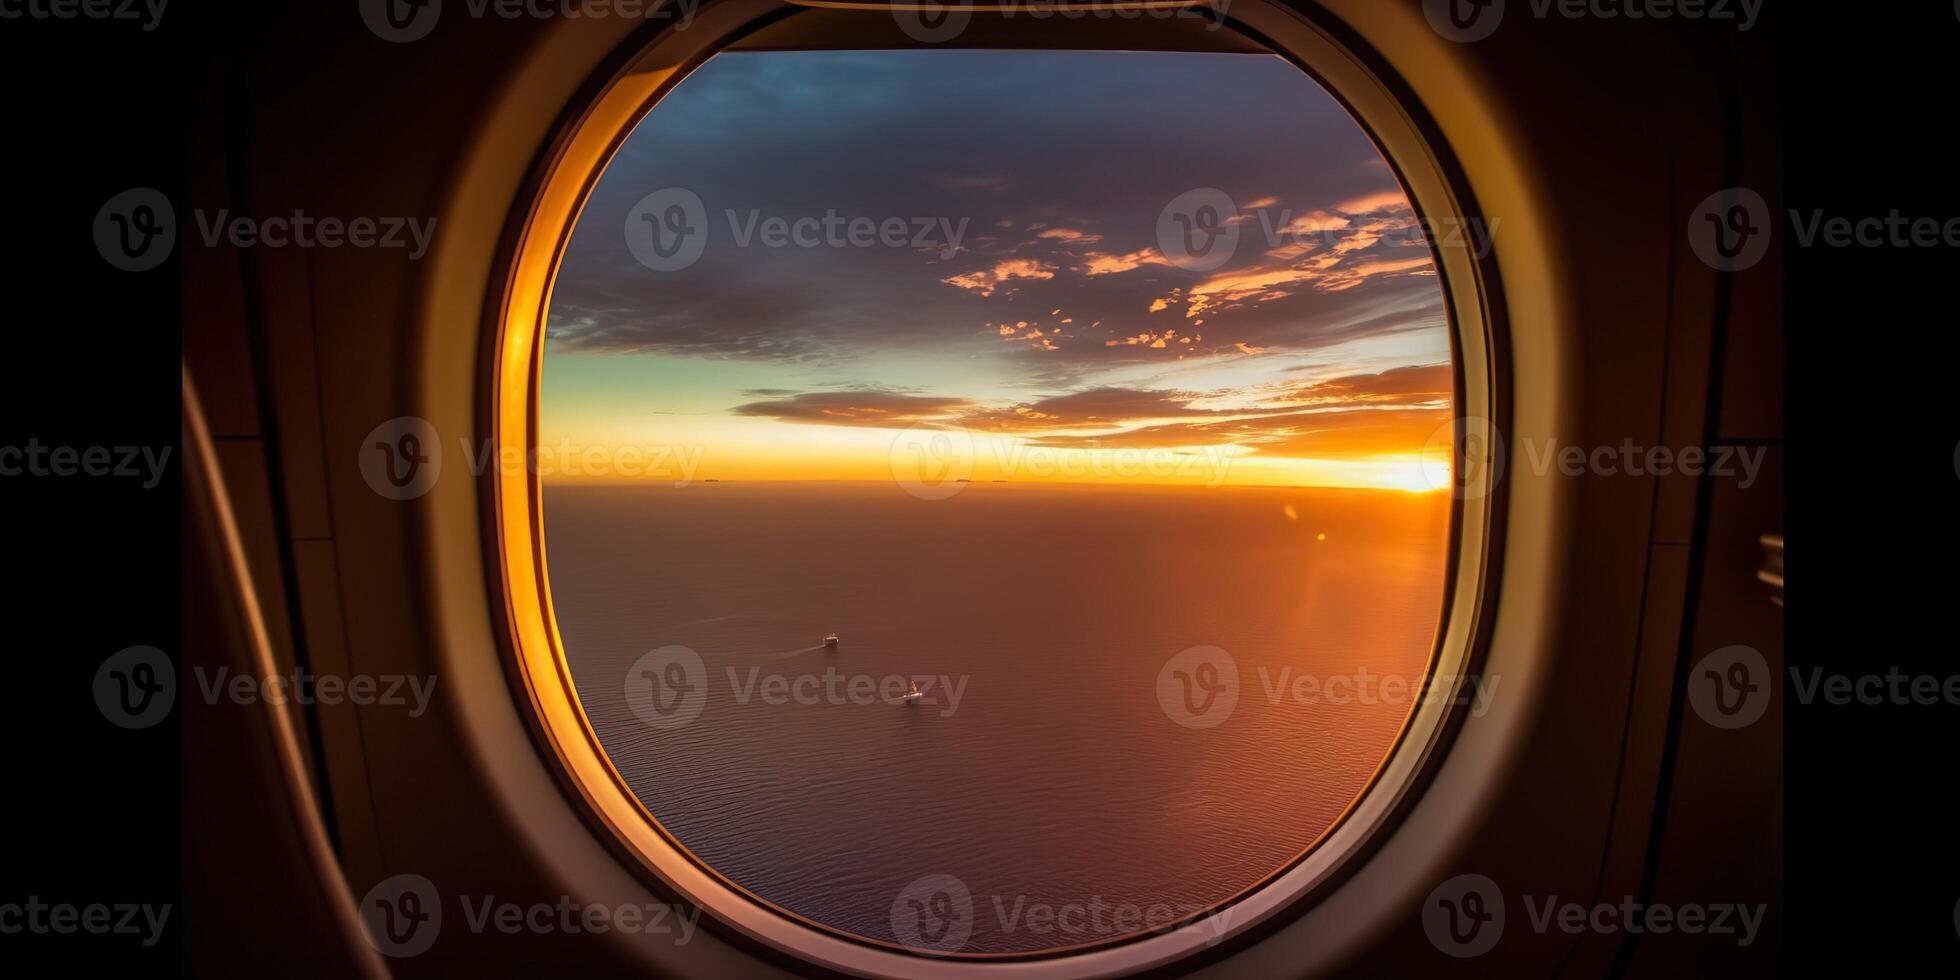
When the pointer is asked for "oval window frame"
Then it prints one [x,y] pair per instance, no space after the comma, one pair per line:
[569,170]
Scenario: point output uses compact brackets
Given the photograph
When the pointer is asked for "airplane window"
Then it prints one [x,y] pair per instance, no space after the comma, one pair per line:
[991,497]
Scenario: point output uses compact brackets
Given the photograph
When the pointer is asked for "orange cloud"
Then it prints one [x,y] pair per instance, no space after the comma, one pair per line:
[986,281]
[1029,333]
[1069,235]
[1350,433]
[1393,412]
[1301,261]
[1102,264]
[1313,222]
[1152,339]
[1415,384]
[1388,200]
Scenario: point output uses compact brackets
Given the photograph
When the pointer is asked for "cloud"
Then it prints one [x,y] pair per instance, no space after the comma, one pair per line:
[1103,264]
[859,408]
[1069,236]
[1353,434]
[1319,250]
[1155,341]
[1348,433]
[1415,383]
[702,329]
[1389,200]
[1100,407]
[1355,415]
[986,281]
[1038,150]
[1030,334]
[1313,222]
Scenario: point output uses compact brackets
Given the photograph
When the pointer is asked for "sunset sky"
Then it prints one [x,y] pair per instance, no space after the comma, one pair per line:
[1056,330]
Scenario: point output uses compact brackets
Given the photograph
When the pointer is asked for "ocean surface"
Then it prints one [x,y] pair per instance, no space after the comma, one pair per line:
[1047,766]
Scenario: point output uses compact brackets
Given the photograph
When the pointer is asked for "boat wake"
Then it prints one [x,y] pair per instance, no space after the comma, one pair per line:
[723,619]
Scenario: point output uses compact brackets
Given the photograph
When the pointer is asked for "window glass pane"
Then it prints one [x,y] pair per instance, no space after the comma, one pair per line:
[1103,396]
